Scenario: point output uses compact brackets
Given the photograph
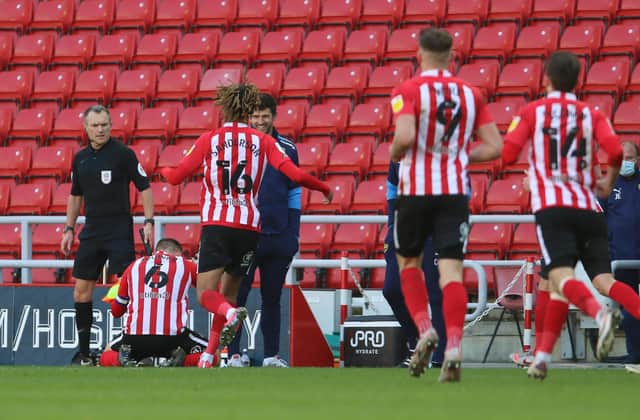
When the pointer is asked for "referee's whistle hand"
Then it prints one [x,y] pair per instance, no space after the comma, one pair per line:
[66,243]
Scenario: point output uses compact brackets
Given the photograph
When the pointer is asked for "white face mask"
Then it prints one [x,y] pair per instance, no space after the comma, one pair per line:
[628,167]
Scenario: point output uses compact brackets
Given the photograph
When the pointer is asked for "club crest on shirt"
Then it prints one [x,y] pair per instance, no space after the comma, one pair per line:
[105,177]
[514,124]
[397,103]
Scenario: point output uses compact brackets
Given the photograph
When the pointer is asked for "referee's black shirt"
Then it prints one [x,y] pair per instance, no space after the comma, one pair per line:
[102,177]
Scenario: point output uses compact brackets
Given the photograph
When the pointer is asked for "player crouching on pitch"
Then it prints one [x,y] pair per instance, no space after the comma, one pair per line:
[153,292]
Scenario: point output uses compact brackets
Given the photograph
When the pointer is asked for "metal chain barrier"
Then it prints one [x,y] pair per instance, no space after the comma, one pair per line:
[367,300]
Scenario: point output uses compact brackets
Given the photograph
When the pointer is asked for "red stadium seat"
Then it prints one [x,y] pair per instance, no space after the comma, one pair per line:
[30,199]
[303,83]
[503,113]
[350,158]
[493,43]
[16,162]
[15,86]
[369,121]
[165,199]
[73,50]
[196,120]
[94,15]
[342,199]
[621,39]
[135,15]
[6,120]
[123,122]
[290,120]
[402,45]
[520,79]
[424,13]
[94,86]
[583,40]
[537,41]
[196,51]
[155,51]
[280,47]
[561,10]
[171,156]
[315,238]
[60,198]
[6,49]
[344,84]
[147,156]
[135,86]
[596,10]
[10,240]
[509,10]
[190,198]
[325,46]
[490,237]
[602,103]
[268,80]
[632,89]
[340,13]
[467,11]
[326,120]
[370,197]
[507,196]
[187,235]
[238,49]
[384,79]
[478,199]
[626,117]
[303,13]
[53,15]
[628,10]
[212,80]
[470,277]
[607,77]
[525,240]
[365,46]
[53,86]
[114,52]
[256,13]
[483,76]
[156,123]
[215,15]
[5,194]
[462,41]
[32,124]
[382,12]
[313,158]
[175,14]
[17,15]
[358,238]
[46,238]
[51,161]
[177,87]
[34,50]
[381,159]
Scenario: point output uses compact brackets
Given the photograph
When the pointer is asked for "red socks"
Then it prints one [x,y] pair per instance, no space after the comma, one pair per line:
[553,320]
[454,308]
[577,293]
[414,290]
[215,303]
[109,358]
[542,300]
[192,360]
[625,296]
[214,334]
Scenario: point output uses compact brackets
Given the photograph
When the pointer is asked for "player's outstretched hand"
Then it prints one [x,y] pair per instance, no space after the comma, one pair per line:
[328,197]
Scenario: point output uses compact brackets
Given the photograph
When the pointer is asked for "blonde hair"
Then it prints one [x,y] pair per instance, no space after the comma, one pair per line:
[238,101]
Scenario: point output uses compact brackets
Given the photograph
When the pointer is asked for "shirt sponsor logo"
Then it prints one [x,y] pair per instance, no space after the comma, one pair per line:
[397,103]
[105,177]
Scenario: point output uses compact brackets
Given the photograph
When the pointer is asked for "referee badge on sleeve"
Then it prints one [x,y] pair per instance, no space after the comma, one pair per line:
[105,177]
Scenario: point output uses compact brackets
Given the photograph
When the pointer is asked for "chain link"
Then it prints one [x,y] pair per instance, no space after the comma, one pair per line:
[367,301]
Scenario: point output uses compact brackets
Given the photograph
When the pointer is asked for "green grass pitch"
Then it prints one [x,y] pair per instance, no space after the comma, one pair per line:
[258,393]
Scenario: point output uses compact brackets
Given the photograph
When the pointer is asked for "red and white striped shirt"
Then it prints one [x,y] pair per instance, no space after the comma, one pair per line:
[447,112]
[155,290]
[565,134]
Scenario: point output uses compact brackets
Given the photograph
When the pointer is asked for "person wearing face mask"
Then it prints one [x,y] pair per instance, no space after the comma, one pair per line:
[622,210]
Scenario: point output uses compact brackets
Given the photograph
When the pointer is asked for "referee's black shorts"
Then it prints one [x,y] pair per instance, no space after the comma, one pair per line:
[231,248]
[568,235]
[143,346]
[446,217]
[113,242]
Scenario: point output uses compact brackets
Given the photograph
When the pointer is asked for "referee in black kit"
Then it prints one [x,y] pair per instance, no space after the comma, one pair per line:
[101,174]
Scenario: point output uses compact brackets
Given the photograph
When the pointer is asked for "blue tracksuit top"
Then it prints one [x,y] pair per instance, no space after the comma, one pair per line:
[280,199]
[392,194]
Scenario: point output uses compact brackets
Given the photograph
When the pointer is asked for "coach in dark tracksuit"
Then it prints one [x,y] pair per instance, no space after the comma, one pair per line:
[279,203]
[101,175]
[622,209]
[392,290]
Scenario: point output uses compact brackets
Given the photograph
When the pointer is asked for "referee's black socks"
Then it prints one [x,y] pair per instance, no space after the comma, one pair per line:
[84,318]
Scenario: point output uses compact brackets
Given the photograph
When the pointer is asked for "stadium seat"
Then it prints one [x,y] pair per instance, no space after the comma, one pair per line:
[94,15]
[147,156]
[53,15]
[134,15]
[6,120]
[326,120]
[33,50]
[268,80]
[313,158]
[340,13]
[359,238]
[344,84]
[493,43]
[462,41]
[156,123]
[402,45]
[316,238]
[368,121]
[16,162]
[421,14]
[174,14]
[123,122]
[333,278]
[17,15]
[53,87]
[237,49]
[279,49]
[560,10]
[215,15]
[196,51]
[298,13]
[324,46]
[45,238]
[382,12]
[370,197]
[350,158]
[30,199]
[32,124]
[6,49]
[155,51]
[478,199]
[483,76]
[342,198]
[621,39]
[583,41]
[290,120]
[381,159]
[365,46]
[51,161]
[196,120]
[165,199]
[303,83]
[525,240]
[537,41]
[114,52]
[470,277]
[73,51]
[94,86]
[15,86]
[596,10]
[467,11]
[507,196]
[625,119]
[632,89]
[383,80]
[602,103]
[137,86]
[629,11]
[256,13]
[187,235]
[10,240]
[490,237]
[171,156]
[503,113]
[517,11]
[190,198]
[211,82]
[607,77]
[176,88]
[59,199]
[520,79]
[5,195]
